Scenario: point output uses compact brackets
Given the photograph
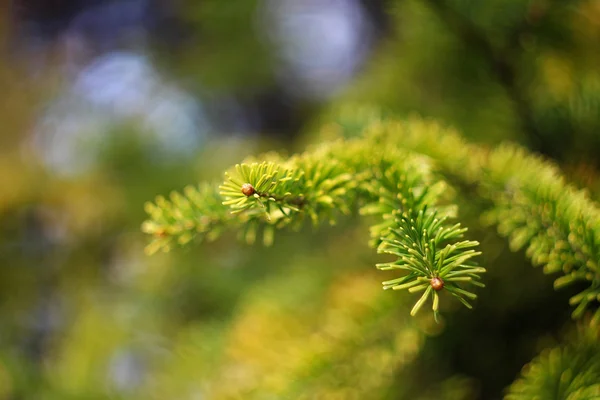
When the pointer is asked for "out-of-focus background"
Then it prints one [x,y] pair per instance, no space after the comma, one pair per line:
[106,104]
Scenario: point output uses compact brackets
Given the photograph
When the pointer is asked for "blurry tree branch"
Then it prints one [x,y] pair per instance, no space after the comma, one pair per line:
[501,61]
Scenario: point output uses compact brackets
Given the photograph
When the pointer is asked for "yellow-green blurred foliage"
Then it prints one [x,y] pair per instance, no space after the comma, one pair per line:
[85,314]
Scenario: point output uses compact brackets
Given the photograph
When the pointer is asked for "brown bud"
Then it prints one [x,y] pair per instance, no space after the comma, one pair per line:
[160,233]
[437,283]
[248,189]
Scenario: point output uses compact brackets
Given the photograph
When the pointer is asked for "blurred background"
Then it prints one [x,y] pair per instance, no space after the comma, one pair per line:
[107,104]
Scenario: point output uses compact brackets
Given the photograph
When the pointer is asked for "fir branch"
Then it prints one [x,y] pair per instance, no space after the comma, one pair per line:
[330,180]
[197,214]
[571,371]
[531,203]
[420,242]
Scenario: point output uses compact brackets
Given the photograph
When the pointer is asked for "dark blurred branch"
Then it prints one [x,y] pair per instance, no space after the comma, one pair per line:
[539,13]
[500,63]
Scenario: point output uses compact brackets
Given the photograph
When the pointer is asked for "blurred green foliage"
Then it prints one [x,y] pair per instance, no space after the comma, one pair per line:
[85,314]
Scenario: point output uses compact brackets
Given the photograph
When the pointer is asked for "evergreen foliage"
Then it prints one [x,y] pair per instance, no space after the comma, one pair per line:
[394,172]
[399,188]
[530,202]
[571,371]
[86,316]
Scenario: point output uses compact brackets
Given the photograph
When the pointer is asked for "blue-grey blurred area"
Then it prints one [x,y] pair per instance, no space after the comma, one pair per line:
[110,56]
[107,104]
